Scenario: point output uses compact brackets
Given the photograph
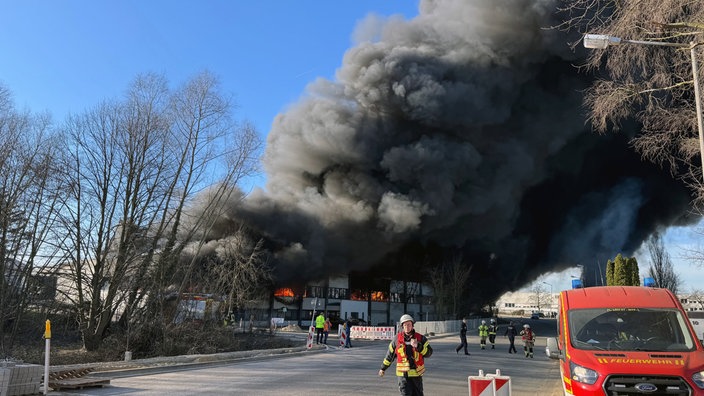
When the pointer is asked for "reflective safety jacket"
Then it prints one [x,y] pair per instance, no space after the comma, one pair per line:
[483,330]
[492,329]
[409,361]
[320,322]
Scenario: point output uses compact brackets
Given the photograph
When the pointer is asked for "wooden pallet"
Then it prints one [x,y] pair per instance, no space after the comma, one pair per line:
[75,379]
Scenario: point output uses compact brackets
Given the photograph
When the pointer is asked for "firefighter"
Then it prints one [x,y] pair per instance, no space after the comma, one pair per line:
[410,350]
[483,333]
[621,335]
[493,327]
[528,338]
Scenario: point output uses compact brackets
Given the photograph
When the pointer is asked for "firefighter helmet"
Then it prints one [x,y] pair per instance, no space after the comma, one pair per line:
[526,326]
[483,321]
[492,321]
[405,318]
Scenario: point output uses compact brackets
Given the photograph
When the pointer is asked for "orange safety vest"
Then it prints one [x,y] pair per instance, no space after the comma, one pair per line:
[403,364]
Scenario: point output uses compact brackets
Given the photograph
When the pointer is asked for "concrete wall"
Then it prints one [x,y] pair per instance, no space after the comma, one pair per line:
[446,326]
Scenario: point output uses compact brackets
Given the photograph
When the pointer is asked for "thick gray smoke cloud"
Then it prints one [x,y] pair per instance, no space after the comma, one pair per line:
[459,131]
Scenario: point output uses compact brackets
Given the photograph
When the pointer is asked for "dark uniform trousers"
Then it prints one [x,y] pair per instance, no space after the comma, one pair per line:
[410,386]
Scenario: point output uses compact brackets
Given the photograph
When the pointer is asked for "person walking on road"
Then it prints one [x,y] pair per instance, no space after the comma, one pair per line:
[493,327]
[511,333]
[319,325]
[348,330]
[528,340]
[327,325]
[463,338]
[483,333]
[410,350]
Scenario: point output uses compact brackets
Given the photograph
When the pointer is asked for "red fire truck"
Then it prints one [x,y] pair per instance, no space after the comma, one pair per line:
[626,340]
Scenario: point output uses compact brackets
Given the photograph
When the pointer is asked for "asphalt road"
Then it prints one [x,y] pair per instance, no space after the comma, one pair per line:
[347,371]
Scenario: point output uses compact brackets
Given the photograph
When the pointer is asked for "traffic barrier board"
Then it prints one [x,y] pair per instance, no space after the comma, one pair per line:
[309,341]
[489,384]
[481,385]
[502,384]
[343,339]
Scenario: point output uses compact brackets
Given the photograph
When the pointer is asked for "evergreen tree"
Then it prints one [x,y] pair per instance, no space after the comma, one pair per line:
[610,267]
[622,271]
[634,272]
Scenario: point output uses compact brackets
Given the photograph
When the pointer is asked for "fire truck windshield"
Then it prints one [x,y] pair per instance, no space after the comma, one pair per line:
[630,329]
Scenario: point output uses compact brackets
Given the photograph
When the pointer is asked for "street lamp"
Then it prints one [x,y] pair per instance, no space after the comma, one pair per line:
[549,284]
[603,41]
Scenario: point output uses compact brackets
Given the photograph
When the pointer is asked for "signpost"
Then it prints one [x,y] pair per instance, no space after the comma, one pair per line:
[311,329]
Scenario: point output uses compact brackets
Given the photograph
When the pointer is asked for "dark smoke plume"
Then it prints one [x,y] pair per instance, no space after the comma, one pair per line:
[460,131]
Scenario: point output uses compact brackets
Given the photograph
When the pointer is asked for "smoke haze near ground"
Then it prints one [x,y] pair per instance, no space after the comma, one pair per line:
[460,131]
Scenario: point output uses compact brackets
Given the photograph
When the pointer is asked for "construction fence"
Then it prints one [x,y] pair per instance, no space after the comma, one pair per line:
[426,328]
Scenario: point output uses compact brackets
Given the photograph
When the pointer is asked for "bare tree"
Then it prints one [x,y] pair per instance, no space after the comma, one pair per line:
[661,268]
[240,270]
[653,85]
[539,297]
[458,275]
[29,195]
[449,282]
[440,291]
[135,168]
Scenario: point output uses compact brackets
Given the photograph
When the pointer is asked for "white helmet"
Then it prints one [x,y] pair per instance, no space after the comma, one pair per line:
[405,318]
[483,321]
[526,326]
[492,321]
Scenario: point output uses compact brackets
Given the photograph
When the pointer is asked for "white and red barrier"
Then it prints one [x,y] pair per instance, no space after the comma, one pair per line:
[373,332]
[480,385]
[502,383]
[489,385]
[309,340]
[343,339]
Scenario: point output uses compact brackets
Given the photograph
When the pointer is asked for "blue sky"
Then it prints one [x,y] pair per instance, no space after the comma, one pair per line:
[66,56]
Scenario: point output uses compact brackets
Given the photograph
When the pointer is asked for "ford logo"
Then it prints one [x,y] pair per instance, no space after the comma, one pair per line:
[645,387]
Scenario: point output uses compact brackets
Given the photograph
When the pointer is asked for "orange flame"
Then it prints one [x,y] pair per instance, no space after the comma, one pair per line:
[284,292]
[378,296]
[358,295]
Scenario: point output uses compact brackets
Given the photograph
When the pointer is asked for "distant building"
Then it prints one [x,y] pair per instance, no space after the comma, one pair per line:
[692,302]
[526,303]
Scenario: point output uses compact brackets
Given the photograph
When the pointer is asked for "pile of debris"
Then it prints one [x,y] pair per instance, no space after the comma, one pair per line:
[291,328]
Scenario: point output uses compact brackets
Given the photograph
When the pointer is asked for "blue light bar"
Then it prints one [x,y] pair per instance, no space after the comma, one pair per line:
[648,282]
[577,284]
